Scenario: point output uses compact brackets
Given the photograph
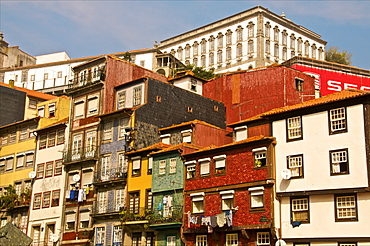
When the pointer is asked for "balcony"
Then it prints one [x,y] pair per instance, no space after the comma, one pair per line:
[135,215]
[86,80]
[171,215]
[106,209]
[110,175]
[80,154]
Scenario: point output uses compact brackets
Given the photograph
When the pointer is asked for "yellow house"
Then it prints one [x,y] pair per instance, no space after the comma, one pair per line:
[139,179]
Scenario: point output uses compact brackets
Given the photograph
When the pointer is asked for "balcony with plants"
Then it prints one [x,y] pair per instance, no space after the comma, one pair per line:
[110,175]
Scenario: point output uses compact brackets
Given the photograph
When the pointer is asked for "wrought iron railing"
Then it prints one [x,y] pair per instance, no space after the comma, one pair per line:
[86,79]
[105,174]
[80,154]
[166,215]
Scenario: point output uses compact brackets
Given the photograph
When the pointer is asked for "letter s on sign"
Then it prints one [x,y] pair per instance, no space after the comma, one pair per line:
[334,85]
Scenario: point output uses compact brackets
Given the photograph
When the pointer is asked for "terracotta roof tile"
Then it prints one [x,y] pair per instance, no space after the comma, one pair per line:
[177,147]
[189,123]
[151,147]
[32,93]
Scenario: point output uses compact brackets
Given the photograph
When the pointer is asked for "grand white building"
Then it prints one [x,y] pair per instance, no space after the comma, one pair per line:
[253,38]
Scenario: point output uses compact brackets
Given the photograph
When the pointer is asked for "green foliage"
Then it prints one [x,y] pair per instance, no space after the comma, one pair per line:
[127,56]
[334,55]
[198,71]
[9,198]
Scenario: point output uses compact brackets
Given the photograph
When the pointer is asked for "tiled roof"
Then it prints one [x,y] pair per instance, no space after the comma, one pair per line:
[248,140]
[189,123]
[177,147]
[22,121]
[151,147]
[32,93]
[334,97]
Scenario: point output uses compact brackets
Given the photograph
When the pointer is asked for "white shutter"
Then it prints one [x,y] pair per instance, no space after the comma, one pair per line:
[204,168]
[136,163]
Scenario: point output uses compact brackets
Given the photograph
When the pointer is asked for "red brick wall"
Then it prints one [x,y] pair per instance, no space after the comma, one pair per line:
[251,93]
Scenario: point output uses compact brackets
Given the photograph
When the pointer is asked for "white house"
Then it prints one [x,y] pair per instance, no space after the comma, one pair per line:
[322,170]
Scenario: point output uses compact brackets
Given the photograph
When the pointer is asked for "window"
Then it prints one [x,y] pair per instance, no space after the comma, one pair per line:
[276,50]
[46,199]
[92,104]
[171,241]
[36,234]
[51,110]
[136,166]
[162,167]
[51,139]
[43,141]
[203,46]
[137,95]
[267,46]
[105,167]
[260,157]
[121,99]
[84,219]
[41,111]
[228,53]
[142,63]
[90,144]
[284,36]
[40,171]
[179,53]
[20,160]
[9,163]
[136,239]
[55,198]
[23,134]
[295,165]
[119,199]
[229,37]
[49,169]
[276,34]
[197,200]
[220,37]
[346,208]
[58,167]
[134,202]
[294,128]
[100,236]
[187,51]
[117,235]
[102,201]
[186,136]
[18,188]
[4,139]
[204,166]
[250,46]
[2,165]
[227,199]
[29,158]
[299,48]
[306,48]
[267,29]
[190,170]
[300,209]
[203,61]
[166,138]
[124,125]
[256,194]
[37,201]
[211,59]
[149,200]
[201,240]
[70,220]
[239,50]
[193,84]
[240,133]
[107,131]
[232,239]
[79,109]
[285,53]
[299,84]
[150,166]
[219,56]
[263,238]
[12,137]
[339,162]
[250,30]
[337,120]
[173,165]
[211,43]
[195,48]
[220,164]
[122,163]
[76,147]
[60,136]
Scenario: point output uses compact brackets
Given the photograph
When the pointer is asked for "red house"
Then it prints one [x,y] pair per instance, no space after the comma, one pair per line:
[228,194]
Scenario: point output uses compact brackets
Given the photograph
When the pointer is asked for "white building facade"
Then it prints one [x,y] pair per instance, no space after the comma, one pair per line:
[322,174]
[253,38]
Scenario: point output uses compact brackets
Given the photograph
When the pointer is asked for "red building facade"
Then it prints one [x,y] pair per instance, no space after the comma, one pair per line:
[228,194]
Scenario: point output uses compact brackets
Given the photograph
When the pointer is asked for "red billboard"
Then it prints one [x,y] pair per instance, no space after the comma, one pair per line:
[330,81]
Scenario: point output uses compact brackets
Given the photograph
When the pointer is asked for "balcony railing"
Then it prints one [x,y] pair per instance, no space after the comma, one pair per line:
[80,154]
[168,215]
[106,208]
[90,78]
[135,214]
[116,173]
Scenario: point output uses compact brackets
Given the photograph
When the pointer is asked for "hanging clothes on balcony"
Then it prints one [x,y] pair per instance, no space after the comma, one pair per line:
[229,217]
[81,195]
[73,195]
[221,219]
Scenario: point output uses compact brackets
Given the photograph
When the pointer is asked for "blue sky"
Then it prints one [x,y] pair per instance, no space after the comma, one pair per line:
[87,28]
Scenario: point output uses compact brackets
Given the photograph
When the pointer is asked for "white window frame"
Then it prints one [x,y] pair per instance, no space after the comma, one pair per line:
[240,133]
[186,136]
[220,163]
[346,207]
[102,201]
[117,234]
[300,205]
[190,169]
[263,238]
[93,104]
[79,109]
[295,165]
[338,160]
[197,200]
[107,130]
[171,241]
[201,240]
[232,239]
[100,236]
[162,167]
[136,166]
[121,99]
[137,95]
[204,166]
[257,197]
[294,126]
[173,164]
[166,138]
[338,120]
[227,199]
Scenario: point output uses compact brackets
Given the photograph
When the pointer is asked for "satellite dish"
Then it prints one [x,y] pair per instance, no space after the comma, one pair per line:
[286,174]
[54,237]
[76,177]
[280,242]
[32,174]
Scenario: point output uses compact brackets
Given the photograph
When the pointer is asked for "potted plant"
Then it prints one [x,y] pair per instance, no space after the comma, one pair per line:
[9,198]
